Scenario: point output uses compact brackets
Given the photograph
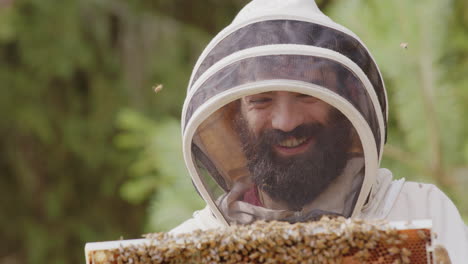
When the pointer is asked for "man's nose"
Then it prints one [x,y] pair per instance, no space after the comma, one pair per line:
[286,117]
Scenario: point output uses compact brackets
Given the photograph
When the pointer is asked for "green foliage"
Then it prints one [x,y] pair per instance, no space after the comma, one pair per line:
[60,172]
[159,166]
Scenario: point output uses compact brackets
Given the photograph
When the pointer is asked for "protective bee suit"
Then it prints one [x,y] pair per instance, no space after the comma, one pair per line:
[285,119]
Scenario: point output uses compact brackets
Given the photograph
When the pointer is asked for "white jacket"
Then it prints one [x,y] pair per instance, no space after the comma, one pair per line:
[396,200]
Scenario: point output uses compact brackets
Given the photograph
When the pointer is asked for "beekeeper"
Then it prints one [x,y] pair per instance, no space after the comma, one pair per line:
[286,119]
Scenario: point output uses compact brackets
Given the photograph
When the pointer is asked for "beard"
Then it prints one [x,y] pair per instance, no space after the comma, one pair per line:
[297,180]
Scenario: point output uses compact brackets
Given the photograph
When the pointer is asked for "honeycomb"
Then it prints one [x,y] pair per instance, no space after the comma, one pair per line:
[330,240]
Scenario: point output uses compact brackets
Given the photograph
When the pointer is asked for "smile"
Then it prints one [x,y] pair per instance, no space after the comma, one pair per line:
[292,142]
[293,146]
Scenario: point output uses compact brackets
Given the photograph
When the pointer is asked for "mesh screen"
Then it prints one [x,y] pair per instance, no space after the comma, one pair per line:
[296,32]
[319,71]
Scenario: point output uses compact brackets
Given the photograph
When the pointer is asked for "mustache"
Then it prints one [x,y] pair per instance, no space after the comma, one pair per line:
[275,136]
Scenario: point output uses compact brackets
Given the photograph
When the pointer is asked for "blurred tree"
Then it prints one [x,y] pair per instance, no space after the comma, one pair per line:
[454,60]
[61,87]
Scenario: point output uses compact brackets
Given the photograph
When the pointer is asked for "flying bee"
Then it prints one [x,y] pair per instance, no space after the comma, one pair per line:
[157,88]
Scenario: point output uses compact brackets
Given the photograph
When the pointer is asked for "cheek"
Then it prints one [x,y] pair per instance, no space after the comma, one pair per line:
[318,112]
[257,120]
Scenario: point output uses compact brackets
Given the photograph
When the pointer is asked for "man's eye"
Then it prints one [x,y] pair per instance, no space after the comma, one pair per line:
[259,100]
[307,98]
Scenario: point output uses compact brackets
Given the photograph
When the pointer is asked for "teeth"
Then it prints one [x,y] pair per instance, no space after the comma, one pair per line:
[292,142]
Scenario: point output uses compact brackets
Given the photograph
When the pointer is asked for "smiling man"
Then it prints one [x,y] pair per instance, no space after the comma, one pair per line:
[291,144]
[286,119]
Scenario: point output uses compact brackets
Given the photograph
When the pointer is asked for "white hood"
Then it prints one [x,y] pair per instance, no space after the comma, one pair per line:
[274,46]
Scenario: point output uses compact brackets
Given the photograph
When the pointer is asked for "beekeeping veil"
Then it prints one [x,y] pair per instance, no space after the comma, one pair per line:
[244,169]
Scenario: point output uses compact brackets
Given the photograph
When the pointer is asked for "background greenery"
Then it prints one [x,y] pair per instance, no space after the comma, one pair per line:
[90,153]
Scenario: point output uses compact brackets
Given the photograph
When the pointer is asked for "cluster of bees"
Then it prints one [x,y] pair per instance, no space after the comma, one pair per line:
[330,240]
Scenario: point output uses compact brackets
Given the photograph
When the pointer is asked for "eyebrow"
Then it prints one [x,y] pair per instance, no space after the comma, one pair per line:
[264,93]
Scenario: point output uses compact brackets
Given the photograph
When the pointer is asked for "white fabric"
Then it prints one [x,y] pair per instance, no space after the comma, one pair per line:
[394,201]
[383,195]
[298,8]
[202,219]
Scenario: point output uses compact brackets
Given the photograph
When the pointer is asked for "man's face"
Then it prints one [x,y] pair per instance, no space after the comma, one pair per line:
[295,144]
